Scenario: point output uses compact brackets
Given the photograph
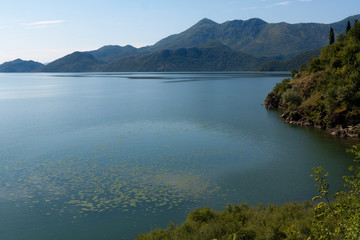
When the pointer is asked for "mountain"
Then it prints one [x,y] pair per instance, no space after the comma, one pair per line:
[75,62]
[257,37]
[19,65]
[213,56]
[206,30]
[113,52]
[289,64]
[208,46]
[285,46]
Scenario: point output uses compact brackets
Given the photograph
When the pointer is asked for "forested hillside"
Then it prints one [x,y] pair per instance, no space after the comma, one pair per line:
[327,93]
[213,56]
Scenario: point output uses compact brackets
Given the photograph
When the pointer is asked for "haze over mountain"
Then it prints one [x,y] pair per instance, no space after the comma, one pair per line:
[209,46]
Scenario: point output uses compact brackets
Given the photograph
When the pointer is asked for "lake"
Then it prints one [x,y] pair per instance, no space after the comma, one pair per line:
[111,155]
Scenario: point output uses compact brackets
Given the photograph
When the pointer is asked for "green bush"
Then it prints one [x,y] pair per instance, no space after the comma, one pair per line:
[203,215]
[241,222]
[315,65]
[292,97]
[280,88]
[338,216]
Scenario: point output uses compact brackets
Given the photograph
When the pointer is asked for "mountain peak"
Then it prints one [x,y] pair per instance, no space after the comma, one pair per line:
[206,21]
[257,20]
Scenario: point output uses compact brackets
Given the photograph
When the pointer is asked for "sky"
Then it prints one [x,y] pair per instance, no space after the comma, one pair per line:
[44,30]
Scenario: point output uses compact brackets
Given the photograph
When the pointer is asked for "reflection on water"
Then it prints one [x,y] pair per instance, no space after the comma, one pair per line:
[89,156]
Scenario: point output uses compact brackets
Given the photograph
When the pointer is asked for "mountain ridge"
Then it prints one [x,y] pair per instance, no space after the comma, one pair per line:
[188,59]
[74,62]
[254,38]
[257,37]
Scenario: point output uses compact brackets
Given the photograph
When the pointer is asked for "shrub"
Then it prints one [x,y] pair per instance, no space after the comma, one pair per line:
[315,65]
[292,97]
[202,215]
[338,216]
[280,88]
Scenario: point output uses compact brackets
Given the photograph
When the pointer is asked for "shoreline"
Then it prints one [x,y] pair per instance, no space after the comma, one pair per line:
[352,131]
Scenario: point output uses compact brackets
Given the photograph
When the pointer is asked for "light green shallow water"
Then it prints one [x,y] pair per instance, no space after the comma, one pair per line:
[107,156]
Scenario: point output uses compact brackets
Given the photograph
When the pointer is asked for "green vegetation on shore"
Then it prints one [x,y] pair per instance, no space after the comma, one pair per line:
[333,217]
[241,222]
[326,94]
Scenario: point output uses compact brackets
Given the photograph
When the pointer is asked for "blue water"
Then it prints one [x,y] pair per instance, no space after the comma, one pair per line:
[107,156]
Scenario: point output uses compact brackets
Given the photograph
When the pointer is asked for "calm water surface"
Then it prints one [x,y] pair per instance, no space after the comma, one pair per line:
[107,156]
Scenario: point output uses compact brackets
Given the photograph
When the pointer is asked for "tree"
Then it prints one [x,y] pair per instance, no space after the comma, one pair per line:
[331,36]
[339,217]
[348,26]
[292,97]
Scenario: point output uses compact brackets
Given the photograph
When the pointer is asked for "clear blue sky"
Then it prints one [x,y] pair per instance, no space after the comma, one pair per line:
[44,30]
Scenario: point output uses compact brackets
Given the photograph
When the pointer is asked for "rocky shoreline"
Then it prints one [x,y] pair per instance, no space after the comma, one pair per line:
[338,130]
[341,128]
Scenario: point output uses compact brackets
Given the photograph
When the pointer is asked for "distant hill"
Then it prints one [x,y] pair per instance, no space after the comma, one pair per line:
[209,57]
[289,64]
[113,52]
[257,37]
[19,65]
[75,62]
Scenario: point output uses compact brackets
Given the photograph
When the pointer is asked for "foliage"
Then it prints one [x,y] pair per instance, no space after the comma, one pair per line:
[281,88]
[292,97]
[348,26]
[242,222]
[331,36]
[338,216]
[334,78]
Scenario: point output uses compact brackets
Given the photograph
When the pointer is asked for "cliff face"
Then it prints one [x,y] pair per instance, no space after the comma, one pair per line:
[327,93]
